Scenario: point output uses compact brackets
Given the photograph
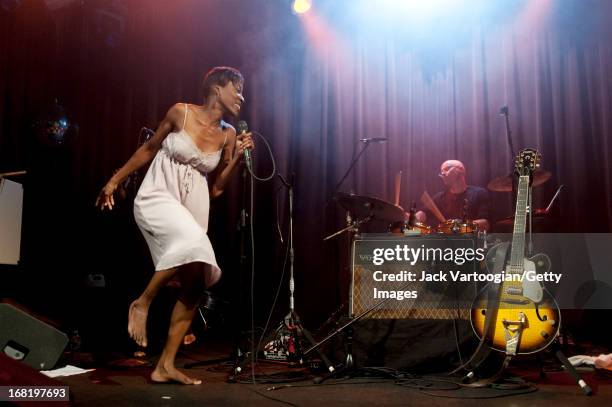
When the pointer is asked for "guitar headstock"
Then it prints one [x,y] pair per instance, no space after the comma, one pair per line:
[527,161]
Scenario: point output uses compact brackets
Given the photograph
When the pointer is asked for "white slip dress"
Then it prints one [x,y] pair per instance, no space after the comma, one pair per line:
[172,205]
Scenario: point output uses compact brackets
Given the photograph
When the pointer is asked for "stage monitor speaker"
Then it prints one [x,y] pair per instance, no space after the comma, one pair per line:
[25,338]
[434,300]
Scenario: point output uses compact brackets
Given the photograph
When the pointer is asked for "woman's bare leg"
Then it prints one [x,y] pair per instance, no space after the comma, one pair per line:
[137,318]
[192,284]
[165,371]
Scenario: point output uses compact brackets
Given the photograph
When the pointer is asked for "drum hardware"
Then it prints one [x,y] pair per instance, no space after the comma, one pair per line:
[457,226]
[410,227]
[361,209]
[406,229]
[352,226]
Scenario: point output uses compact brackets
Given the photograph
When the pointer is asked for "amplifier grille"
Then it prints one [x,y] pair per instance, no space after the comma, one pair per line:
[435,300]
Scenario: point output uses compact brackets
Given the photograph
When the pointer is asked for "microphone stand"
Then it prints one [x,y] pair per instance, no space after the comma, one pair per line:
[339,184]
[237,355]
[292,320]
[504,111]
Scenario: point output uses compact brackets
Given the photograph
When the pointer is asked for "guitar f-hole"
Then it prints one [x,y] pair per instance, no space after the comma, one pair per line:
[537,310]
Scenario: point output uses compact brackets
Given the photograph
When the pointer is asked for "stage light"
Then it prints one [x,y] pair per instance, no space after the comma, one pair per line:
[301,6]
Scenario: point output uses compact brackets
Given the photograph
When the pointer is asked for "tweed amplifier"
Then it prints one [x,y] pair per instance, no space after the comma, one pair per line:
[407,276]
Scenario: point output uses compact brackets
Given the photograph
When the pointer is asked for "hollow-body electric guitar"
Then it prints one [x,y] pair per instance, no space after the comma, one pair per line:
[526,318]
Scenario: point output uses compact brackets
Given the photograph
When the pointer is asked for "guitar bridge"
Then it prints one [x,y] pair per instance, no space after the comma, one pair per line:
[515,301]
[514,291]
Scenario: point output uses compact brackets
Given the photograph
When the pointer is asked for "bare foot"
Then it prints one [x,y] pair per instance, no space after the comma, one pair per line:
[137,323]
[171,374]
[189,339]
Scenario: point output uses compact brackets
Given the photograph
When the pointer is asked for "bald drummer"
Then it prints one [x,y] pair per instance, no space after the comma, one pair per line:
[458,197]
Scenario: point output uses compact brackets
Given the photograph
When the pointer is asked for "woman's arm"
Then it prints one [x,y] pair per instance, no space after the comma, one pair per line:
[143,155]
[231,156]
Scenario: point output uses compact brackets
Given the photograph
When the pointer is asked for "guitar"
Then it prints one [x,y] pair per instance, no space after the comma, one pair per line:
[527,318]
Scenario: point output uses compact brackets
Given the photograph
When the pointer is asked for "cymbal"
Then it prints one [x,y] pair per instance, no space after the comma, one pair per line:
[363,206]
[504,183]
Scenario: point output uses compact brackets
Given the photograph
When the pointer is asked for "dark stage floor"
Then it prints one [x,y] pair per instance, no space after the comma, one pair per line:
[129,386]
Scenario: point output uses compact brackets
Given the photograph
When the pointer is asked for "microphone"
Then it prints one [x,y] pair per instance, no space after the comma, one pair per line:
[503,111]
[243,128]
[145,135]
[373,140]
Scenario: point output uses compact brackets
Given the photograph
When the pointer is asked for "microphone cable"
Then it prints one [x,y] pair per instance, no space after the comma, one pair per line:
[251,211]
[278,288]
[273,173]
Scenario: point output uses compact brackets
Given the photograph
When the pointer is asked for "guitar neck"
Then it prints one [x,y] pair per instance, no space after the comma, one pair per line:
[520,220]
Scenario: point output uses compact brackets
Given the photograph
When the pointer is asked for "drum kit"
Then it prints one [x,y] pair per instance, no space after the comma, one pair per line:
[362,209]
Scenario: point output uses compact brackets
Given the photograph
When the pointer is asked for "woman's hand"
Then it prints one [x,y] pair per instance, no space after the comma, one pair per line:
[105,198]
[244,141]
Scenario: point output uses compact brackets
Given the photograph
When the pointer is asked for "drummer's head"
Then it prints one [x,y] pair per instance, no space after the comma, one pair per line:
[452,172]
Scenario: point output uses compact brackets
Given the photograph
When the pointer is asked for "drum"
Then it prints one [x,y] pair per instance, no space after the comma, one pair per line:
[404,228]
[457,227]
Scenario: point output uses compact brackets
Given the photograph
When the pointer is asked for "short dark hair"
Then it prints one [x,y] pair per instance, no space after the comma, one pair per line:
[220,75]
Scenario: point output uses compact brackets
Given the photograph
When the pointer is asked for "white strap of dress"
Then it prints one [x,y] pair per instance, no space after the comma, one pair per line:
[185,119]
